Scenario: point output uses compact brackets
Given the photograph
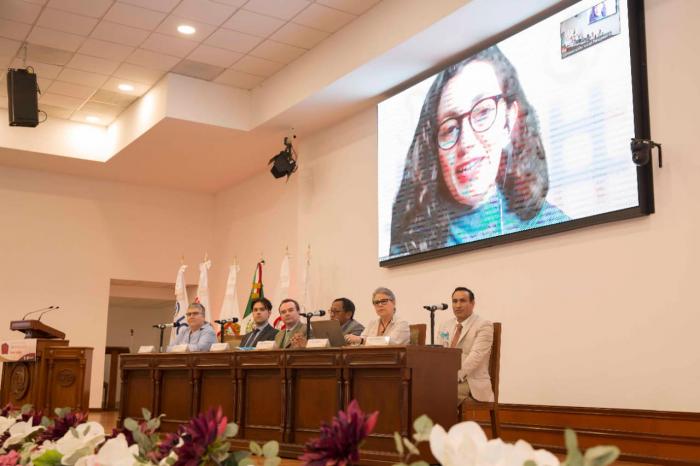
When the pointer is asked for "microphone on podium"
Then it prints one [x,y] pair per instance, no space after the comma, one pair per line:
[435,307]
[53,308]
[49,308]
[319,313]
[226,321]
[169,325]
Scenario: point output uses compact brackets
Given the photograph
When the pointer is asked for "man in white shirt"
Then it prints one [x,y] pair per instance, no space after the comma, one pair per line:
[474,336]
[294,334]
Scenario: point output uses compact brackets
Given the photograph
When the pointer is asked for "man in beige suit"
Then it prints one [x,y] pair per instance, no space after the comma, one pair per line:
[474,336]
[294,334]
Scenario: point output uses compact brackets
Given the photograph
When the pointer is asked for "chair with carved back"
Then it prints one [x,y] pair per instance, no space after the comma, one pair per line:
[417,334]
[471,404]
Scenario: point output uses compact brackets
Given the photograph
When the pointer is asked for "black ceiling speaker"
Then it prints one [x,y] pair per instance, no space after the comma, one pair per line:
[22,97]
[284,163]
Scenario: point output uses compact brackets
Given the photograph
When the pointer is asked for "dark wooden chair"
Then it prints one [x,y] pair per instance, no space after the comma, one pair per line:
[417,334]
[471,404]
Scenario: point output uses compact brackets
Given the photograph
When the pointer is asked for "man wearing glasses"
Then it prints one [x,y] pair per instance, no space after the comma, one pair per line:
[343,310]
[199,335]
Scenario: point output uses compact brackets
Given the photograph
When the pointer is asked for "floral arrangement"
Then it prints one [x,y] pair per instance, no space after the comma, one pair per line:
[68,438]
[466,444]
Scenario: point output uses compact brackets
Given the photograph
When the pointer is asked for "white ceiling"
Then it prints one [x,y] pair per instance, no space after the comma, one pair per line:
[82,50]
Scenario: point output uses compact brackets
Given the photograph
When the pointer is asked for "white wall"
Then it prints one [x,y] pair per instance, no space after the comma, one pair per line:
[63,238]
[604,316]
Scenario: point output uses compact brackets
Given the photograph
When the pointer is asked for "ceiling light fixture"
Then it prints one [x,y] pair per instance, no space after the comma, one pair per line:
[126,87]
[186,29]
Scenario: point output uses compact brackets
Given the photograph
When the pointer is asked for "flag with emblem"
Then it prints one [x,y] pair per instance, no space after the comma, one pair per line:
[203,289]
[256,291]
[230,308]
[181,302]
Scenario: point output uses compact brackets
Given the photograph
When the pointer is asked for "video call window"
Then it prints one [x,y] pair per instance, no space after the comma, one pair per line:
[526,135]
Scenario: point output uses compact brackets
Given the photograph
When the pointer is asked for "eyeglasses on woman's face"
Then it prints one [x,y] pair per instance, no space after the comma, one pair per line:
[481,117]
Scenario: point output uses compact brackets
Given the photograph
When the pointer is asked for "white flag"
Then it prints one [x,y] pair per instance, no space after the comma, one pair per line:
[203,289]
[306,304]
[181,301]
[229,308]
[282,290]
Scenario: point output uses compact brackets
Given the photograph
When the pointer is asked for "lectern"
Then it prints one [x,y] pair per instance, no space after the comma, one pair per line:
[57,376]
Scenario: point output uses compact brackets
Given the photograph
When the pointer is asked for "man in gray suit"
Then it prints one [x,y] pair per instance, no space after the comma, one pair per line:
[343,310]
[474,336]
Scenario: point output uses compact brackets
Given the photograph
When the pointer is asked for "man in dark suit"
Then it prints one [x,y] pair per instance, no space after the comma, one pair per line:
[294,334]
[263,331]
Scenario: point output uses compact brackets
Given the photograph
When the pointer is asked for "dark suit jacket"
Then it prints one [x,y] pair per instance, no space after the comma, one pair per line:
[268,333]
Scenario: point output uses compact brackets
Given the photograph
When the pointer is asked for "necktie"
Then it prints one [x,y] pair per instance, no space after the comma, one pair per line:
[285,339]
[253,337]
[455,338]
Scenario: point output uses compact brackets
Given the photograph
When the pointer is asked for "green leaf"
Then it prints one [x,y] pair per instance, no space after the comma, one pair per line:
[399,464]
[271,449]
[529,463]
[130,424]
[411,447]
[25,409]
[48,458]
[573,454]
[146,414]
[399,443]
[247,461]
[255,448]
[45,421]
[239,455]
[231,430]
[61,412]
[420,463]
[272,461]
[423,426]
[601,455]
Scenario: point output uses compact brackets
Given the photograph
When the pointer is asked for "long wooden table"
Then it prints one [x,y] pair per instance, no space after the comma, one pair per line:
[285,395]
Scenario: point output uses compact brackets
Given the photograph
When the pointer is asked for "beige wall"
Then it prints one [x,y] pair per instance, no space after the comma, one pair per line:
[63,238]
[604,316]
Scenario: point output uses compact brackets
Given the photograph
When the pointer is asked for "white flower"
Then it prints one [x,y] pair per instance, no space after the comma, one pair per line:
[80,441]
[466,445]
[5,423]
[19,431]
[116,452]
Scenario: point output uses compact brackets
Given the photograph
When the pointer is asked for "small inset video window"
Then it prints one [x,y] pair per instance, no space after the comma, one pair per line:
[590,27]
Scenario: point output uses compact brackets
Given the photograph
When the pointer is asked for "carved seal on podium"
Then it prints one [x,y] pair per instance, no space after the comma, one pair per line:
[66,378]
[19,381]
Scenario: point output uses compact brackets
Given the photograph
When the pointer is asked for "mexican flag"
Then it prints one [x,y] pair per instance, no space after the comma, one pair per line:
[256,291]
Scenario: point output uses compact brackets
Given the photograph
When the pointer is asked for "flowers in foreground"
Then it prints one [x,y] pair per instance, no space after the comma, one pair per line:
[204,439]
[115,452]
[466,445]
[340,441]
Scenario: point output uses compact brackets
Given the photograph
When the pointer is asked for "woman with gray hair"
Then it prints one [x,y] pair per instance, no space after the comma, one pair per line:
[387,324]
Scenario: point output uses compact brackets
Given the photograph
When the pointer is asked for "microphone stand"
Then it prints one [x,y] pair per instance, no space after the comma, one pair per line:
[308,316]
[162,329]
[432,327]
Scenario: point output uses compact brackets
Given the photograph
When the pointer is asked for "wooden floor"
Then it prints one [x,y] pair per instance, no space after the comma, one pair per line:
[108,419]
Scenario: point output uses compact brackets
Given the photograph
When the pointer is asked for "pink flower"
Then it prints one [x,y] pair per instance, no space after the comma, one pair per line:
[10,459]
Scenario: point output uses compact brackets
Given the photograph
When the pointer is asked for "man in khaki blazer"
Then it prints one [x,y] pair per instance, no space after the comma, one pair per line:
[474,336]
[294,334]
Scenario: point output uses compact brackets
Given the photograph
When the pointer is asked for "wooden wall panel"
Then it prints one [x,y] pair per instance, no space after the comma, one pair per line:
[650,437]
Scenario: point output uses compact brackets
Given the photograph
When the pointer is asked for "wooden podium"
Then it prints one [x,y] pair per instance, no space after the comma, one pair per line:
[59,376]
[284,395]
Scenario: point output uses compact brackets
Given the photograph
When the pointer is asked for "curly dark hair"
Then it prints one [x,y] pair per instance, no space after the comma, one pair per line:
[424,208]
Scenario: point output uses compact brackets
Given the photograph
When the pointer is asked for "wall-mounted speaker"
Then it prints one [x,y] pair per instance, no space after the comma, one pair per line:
[22,98]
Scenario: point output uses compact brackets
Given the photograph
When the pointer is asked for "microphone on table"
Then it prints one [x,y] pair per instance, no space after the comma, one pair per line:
[232,320]
[320,313]
[435,307]
[49,308]
[52,308]
[169,325]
